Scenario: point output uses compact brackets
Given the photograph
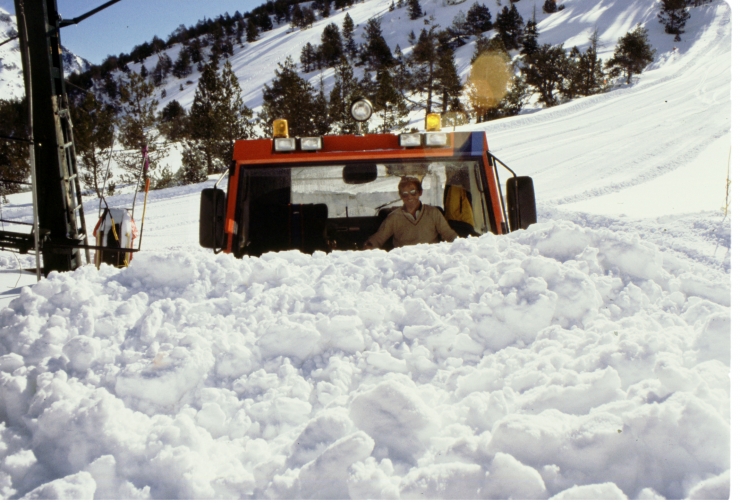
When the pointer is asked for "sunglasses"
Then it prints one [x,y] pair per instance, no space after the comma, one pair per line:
[411,192]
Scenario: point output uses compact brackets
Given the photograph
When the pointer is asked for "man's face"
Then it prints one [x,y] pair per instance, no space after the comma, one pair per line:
[410,195]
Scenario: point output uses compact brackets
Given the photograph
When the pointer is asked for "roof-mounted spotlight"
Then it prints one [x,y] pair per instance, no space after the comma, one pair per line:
[361,110]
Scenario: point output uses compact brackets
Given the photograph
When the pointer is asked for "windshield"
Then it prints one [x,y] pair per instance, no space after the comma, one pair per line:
[360,195]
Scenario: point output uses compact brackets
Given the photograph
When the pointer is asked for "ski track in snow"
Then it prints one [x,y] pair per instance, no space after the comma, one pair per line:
[585,357]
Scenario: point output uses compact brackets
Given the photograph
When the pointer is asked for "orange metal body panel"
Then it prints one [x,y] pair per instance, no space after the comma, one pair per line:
[335,148]
[492,182]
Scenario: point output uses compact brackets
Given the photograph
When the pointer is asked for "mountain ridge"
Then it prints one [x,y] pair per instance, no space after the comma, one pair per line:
[11,71]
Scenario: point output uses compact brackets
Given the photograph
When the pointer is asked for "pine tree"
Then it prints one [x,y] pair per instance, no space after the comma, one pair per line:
[174,121]
[308,58]
[289,97]
[227,48]
[196,56]
[348,29]
[571,79]
[281,10]
[14,164]
[549,6]
[215,54]
[402,75]
[530,36]
[216,34]
[182,67]
[478,19]
[368,85]
[162,69]
[547,72]
[194,162]
[252,31]
[458,30]
[346,89]
[296,17]
[241,28]
[674,14]
[138,127]
[513,101]
[322,121]
[94,131]
[632,54]
[389,103]
[448,80]
[218,116]
[510,27]
[326,9]
[264,21]
[375,51]
[425,57]
[414,9]
[588,73]
[309,17]
[331,48]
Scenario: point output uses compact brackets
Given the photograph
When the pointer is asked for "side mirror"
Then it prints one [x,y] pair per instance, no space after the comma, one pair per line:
[212,213]
[520,202]
[356,174]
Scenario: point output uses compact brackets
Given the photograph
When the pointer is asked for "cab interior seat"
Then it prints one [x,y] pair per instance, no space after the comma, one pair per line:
[462,228]
[279,227]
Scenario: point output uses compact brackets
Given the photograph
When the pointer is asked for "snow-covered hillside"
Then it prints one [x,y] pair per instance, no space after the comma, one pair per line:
[586,357]
[11,71]
[255,64]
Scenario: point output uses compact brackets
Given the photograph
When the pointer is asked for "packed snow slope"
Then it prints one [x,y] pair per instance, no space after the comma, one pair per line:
[585,357]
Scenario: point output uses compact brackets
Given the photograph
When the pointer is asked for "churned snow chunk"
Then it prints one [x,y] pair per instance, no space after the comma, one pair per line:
[395,417]
[326,476]
[373,480]
[507,478]
[80,486]
[714,488]
[443,481]
[605,491]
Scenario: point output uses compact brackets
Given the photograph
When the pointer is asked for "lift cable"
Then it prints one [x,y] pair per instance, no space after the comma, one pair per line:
[9,40]
[69,22]
[15,138]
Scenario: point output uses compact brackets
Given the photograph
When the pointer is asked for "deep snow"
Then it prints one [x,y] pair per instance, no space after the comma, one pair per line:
[586,357]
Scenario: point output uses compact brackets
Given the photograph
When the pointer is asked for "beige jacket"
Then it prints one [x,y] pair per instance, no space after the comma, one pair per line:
[428,228]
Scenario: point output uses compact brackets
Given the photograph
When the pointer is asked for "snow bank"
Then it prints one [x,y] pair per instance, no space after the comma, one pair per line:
[558,361]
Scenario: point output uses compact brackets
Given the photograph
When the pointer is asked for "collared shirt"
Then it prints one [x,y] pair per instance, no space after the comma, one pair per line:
[416,215]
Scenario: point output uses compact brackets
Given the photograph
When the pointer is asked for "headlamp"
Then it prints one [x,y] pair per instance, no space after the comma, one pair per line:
[361,110]
[311,143]
[283,144]
[410,140]
[436,139]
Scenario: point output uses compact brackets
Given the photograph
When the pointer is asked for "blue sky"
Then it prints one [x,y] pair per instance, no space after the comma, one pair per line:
[119,27]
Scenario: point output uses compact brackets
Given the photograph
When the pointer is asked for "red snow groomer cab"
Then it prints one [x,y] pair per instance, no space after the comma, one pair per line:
[333,192]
